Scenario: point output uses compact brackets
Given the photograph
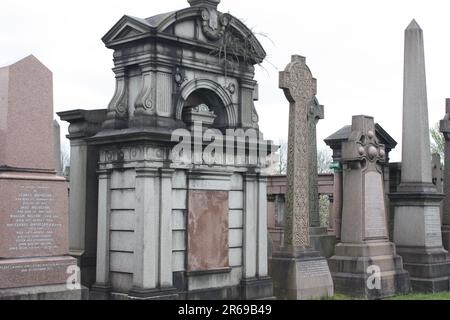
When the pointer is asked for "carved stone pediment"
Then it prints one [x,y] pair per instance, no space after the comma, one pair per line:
[127,28]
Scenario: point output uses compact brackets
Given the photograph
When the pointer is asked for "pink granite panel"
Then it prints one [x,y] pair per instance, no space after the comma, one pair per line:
[33,218]
[208,230]
[26,131]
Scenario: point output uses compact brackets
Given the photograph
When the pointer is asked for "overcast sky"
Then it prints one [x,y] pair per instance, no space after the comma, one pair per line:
[353,47]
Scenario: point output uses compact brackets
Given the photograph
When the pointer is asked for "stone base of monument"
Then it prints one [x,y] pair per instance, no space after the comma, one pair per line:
[418,236]
[153,294]
[371,270]
[38,279]
[446,237]
[50,292]
[322,241]
[429,269]
[300,274]
[103,292]
[257,289]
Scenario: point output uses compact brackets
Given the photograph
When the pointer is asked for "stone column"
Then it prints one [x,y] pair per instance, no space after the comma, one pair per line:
[101,288]
[417,223]
[146,252]
[256,283]
[445,129]
[57,148]
[261,268]
[250,225]
[331,219]
[152,277]
[83,202]
[298,271]
[364,236]
[166,277]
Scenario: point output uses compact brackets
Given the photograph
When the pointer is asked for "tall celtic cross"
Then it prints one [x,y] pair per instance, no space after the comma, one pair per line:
[300,88]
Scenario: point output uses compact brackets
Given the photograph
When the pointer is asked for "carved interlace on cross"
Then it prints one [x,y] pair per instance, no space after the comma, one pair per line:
[297,81]
[300,89]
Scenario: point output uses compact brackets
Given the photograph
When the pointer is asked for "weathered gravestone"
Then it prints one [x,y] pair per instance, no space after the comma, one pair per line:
[34,261]
[171,223]
[445,129]
[335,142]
[365,263]
[298,271]
[417,223]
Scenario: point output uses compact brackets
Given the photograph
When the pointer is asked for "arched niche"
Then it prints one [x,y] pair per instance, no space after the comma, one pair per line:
[212,94]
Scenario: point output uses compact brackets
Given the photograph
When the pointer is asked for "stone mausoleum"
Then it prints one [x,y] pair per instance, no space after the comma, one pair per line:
[148,222]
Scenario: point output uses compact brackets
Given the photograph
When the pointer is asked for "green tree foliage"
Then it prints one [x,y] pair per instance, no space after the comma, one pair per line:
[437,141]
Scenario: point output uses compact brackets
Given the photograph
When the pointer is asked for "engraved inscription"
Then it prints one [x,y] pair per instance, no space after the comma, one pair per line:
[34,222]
[33,218]
[375,219]
[312,268]
[433,237]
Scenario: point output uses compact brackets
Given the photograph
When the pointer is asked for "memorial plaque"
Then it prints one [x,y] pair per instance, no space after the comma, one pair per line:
[433,237]
[208,230]
[313,268]
[375,218]
[33,218]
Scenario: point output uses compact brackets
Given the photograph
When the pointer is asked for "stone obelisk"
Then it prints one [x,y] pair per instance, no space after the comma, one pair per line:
[417,223]
[445,129]
[298,271]
[365,246]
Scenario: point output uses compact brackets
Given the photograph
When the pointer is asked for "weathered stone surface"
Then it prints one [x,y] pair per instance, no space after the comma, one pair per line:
[445,129]
[34,221]
[308,276]
[34,216]
[26,115]
[158,87]
[335,143]
[208,230]
[416,157]
[300,89]
[316,112]
[364,233]
[417,203]
[50,292]
[28,272]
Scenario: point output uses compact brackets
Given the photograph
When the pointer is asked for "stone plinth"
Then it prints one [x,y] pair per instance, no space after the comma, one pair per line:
[33,229]
[365,243]
[417,223]
[300,274]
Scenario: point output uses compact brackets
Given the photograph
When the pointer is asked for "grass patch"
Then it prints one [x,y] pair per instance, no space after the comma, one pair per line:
[415,296]
[423,296]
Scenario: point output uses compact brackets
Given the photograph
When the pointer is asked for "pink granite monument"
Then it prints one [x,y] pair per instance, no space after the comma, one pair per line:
[34,261]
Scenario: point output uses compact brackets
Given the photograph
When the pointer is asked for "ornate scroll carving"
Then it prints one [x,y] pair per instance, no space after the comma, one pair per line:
[144,102]
[118,107]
